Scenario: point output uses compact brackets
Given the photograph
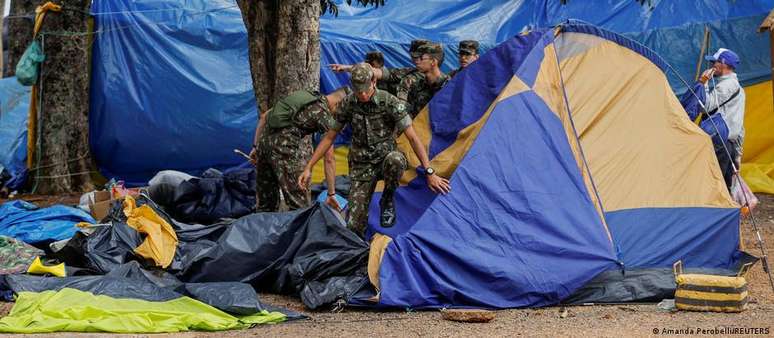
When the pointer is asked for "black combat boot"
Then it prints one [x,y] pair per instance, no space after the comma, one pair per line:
[387,203]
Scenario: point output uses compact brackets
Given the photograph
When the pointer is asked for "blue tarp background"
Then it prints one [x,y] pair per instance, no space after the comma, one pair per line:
[14,110]
[172,89]
[674,29]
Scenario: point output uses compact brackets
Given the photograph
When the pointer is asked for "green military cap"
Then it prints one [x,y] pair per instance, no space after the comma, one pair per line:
[360,75]
[415,44]
[468,47]
[433,49]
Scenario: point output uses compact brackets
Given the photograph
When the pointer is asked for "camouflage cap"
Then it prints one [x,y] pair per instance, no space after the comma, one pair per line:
[415,44]
[374,56]
[469,47]
[433,49]
[360,75]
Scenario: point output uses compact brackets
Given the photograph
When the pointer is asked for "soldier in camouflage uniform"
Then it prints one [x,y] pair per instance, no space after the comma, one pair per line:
[418,88]
[467,53]
[389,78]
[377,118]
[280,154]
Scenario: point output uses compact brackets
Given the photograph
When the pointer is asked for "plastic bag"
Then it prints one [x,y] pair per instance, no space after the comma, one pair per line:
[742,194]
[29,64]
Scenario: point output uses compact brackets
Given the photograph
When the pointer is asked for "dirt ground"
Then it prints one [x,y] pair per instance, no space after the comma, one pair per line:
[578,321]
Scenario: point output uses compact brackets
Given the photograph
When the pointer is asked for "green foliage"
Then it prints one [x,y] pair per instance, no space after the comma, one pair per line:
[330,6]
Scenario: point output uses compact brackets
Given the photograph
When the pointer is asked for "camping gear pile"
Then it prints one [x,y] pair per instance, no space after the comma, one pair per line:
[139,270]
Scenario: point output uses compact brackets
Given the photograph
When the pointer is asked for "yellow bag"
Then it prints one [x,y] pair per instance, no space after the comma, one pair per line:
[697,292]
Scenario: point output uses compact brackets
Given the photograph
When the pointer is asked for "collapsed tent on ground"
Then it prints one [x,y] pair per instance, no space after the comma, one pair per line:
[569,156]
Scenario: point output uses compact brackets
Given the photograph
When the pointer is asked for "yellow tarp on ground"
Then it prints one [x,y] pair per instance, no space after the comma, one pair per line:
[342,166]
[161,240]
[758,157]
[71,310]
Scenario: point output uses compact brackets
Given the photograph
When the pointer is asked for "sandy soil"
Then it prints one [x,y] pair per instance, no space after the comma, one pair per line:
[581,321]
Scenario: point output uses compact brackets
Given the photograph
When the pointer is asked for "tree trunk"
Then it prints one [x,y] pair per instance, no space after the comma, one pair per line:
[2,16]
[19,32]
[284,43]
[65,160]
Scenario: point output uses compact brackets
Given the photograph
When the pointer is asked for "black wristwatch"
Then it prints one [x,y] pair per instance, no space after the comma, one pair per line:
[430,171]
[330,195]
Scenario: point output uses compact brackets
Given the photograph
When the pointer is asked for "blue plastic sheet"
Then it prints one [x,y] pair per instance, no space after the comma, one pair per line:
[171,87]
[673,29]
[30,224]
[14,110]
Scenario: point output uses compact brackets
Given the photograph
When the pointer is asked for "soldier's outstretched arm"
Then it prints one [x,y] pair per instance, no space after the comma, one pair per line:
[437,184]
[319,152]
[330,178]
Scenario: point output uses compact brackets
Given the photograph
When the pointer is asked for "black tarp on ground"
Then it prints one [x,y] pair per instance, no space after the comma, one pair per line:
[307,252]
[640,285]
[214,196]
[131,281]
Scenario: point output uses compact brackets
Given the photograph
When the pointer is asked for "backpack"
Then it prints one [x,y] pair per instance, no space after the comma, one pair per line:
[283,113]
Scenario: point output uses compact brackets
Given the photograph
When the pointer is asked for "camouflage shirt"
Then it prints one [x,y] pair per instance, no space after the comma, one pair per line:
[315,117]
[391,78]
[417,92]
[375,126]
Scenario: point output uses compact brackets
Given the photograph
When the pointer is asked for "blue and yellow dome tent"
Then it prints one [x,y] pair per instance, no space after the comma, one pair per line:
[569,156]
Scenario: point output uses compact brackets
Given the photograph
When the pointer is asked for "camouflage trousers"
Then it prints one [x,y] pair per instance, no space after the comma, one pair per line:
[362,188]
[278,166]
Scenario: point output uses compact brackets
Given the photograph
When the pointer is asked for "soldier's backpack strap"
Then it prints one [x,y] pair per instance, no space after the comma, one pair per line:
[282,114]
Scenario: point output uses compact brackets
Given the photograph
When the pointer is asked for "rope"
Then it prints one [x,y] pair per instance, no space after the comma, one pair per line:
[753,219]
[66,175]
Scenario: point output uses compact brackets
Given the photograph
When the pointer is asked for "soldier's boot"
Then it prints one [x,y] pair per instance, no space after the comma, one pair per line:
[393,166]
[387,204]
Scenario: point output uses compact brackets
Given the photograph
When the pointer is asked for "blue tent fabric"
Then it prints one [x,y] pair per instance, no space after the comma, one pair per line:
[532,215]
[540,220]
[30,224]
[700,237]
[14,111]
[171,87]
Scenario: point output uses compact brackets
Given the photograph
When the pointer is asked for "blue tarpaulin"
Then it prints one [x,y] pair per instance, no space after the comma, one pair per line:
[170,88]
[673,29]
[171,84]
[30,224]
[14,110]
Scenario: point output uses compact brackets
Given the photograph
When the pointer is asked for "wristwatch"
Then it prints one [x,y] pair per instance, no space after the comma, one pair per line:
[430,171]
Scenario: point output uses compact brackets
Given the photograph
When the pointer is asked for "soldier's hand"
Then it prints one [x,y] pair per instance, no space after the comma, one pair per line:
[338,68]
[253,156]
[333,203]
[438,184]
[304,179]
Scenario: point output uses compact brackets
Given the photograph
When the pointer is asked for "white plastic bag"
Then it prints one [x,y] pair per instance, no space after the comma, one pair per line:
[742,194]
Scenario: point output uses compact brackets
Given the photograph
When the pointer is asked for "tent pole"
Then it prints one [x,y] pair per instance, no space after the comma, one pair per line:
[580,150]
[761,245]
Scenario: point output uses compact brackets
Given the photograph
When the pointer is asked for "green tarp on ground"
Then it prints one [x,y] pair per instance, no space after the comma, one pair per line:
[71,310]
